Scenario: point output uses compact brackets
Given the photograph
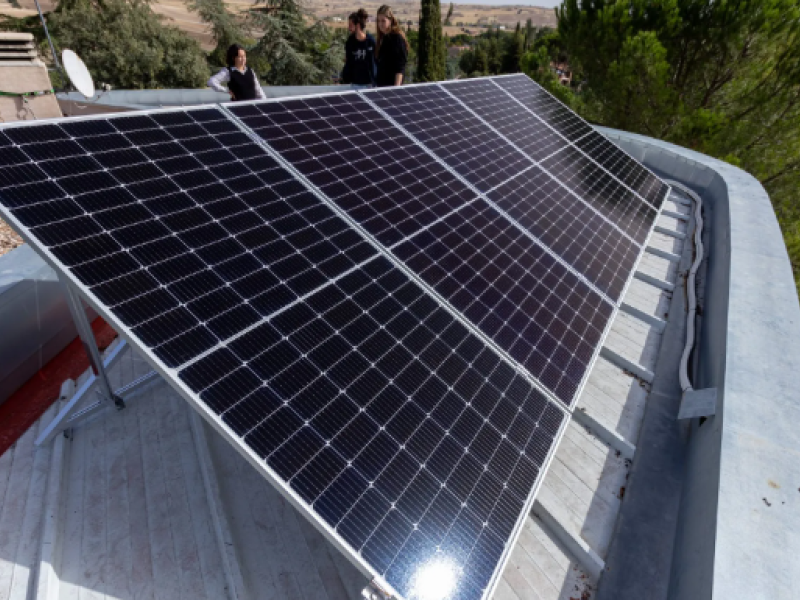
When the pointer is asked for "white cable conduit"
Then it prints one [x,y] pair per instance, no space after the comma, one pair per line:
[686,385]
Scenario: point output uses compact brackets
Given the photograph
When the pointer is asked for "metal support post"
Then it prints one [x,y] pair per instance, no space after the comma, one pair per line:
[87,337]
[75,411]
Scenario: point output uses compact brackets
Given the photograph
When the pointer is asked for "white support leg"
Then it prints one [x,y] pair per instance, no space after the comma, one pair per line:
[87,337]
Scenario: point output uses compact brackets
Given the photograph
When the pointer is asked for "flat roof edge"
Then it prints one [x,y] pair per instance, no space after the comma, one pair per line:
[745,459]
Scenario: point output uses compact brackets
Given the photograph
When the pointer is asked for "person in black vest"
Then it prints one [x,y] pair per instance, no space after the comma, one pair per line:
[359,65]
[242,82]
[392,49]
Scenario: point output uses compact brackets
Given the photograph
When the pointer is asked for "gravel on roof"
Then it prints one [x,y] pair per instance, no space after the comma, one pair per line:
[8,238]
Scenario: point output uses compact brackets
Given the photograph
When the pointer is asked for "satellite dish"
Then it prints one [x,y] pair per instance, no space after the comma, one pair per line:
[78,73]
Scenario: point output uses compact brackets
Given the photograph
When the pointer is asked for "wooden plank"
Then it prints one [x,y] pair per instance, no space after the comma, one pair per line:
[320,554]
[47,584]
[294,544]
[73,514]
[119,558]
[14,509]
[521,577]
[247,531]
[162,547]
[503,591]
[187,561]
[211,563]
[538,569]
[141,569]
[93,547]
[23,579]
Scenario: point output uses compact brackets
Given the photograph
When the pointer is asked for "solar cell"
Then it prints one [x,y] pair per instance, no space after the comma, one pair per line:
[453,133]
[601,191]
[625,168]
[508,117]
[358,159]
[569,227]
[413,441]
[550,110]
[186,247]
[529,304]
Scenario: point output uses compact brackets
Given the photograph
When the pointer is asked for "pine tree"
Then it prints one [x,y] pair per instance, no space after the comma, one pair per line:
[431,53]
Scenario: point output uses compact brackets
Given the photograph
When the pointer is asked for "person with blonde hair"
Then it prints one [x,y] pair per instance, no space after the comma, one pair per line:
[391,49]
[359,65]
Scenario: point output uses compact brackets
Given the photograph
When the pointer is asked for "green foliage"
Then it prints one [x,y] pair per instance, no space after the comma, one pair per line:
[125,44]
[528,35]
[496,52]
[226,28]
[447,20]
[431,52]
[722,77]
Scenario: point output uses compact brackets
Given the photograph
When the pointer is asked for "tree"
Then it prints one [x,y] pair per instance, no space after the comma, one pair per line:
[226,28]
[528,34]
[719,77]
[292,51]
[125,44]
[514,52]
[449,16]
[431,52]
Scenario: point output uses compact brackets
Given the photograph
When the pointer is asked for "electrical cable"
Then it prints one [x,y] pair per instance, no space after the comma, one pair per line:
[697,238]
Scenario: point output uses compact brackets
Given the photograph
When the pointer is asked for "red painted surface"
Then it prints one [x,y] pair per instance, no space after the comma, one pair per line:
[29,402]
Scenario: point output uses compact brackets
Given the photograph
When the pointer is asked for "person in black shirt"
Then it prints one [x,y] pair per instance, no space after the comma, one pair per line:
[359,66]
[392,49]
[241,80]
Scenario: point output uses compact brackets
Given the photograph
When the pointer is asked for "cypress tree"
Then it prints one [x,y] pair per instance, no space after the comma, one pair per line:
[528,34]
[431,53]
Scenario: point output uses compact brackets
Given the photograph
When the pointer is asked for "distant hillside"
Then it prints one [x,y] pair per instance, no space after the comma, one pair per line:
[470,16]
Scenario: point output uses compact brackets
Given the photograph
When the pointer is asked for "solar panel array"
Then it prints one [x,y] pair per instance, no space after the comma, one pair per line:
[387,300]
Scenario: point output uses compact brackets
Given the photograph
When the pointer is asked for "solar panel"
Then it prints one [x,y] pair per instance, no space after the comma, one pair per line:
[508,117]
[374,408]
[528,303]
[486,268]
[181,225]
[453,133]
[369,168]
[406,435]
[627,170]
[541,103]
[568,226]
[380,324]
[602,192]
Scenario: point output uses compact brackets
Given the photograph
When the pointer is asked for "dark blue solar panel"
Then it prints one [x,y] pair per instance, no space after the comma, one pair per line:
[417,443]
[602,192]
[401,430]
[359,160]
[625,168]
[568,226]
[183,226]
[453,133]
[528,303]
[542,104]
[508,117]
[381,408]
